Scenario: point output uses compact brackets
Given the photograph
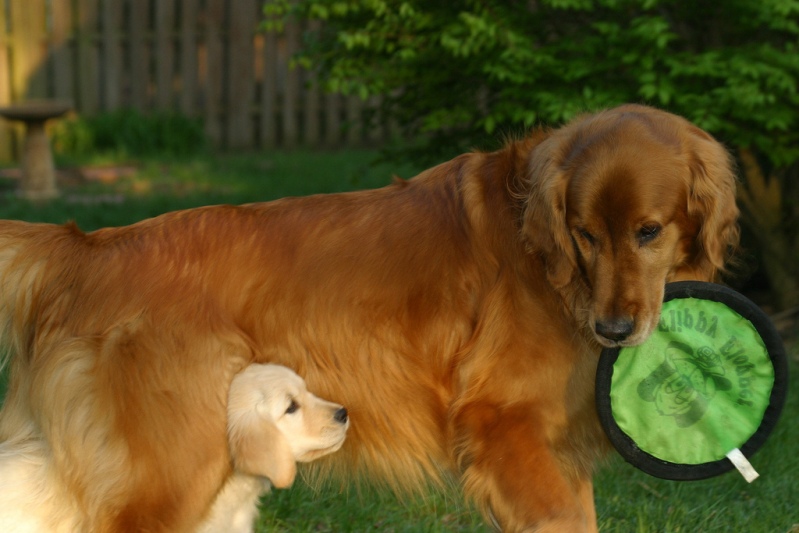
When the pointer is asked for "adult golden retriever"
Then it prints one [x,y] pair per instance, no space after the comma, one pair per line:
[458,315]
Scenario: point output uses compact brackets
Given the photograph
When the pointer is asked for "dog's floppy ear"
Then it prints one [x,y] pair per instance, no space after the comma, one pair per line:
[544,223]
[712,200]
[259,448]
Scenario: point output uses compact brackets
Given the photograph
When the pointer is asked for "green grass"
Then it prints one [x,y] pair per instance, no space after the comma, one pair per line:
[627,499]
[160,185]
[301,509]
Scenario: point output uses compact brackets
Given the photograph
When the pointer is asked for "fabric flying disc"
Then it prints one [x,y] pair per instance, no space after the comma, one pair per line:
[701,395]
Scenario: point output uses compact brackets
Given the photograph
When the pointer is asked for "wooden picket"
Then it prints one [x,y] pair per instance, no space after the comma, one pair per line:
[204,58]
[5,87]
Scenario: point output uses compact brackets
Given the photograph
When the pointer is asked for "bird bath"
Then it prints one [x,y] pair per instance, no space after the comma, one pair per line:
[38,171]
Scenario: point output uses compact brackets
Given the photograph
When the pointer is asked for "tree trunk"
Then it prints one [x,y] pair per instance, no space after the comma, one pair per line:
[762,202]
[782,271]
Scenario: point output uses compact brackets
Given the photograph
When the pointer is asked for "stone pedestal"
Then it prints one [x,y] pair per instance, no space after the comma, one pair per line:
[38,171]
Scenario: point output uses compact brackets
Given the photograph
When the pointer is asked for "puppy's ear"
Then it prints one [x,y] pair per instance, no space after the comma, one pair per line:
[712,201]
[544,220]
[259,448]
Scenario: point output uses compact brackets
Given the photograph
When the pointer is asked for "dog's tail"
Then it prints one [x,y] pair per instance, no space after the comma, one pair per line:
[26,272]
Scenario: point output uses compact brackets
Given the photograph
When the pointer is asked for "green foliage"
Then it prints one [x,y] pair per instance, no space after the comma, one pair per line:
[465,69]
[129,133]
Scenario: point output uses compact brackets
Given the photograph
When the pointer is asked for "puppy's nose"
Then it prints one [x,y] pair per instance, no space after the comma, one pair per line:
[615,329]
[340,415]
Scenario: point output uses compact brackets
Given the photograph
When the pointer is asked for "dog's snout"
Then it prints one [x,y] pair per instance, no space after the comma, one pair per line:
[615,329]
[341,415]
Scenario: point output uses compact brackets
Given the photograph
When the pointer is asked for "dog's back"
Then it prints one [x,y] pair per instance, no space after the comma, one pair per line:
[123,341]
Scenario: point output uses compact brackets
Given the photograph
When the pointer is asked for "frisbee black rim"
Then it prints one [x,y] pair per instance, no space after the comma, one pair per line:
[657,467]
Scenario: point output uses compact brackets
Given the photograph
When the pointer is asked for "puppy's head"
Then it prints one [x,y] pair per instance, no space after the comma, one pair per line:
[623,202]
[273,422]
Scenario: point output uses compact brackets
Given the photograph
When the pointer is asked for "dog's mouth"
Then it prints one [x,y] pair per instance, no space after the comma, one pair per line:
[312,455]
[608,343]
[622,332]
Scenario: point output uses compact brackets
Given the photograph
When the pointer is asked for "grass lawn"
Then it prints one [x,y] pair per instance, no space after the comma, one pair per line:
[627,499]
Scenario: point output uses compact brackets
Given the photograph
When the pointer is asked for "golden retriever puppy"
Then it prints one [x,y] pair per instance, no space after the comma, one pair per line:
[460,314]
[273,422]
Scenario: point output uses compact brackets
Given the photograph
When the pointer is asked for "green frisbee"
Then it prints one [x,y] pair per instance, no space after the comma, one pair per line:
[702,394]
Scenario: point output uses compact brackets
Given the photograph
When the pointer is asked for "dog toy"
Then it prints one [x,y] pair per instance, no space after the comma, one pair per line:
[702,394]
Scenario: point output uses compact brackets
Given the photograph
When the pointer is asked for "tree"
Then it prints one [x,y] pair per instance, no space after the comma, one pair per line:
[454,73]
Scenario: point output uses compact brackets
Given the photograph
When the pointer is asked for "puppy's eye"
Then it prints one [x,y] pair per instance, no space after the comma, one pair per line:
[292,408]
[648,233]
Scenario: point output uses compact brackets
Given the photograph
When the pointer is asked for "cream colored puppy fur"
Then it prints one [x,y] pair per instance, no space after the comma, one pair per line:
[273,422]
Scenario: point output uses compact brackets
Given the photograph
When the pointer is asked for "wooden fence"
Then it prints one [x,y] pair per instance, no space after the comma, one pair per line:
[204,58]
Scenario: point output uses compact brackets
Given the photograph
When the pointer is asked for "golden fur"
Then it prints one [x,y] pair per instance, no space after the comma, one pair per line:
[458,316]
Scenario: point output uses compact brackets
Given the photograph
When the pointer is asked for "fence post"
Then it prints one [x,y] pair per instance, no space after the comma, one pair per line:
[165,45]
[188,58]
[88,73]
[291,85]
[240,79]
[212,68]
[139,45]
[29,50]
[354,121]
[61,56]
[268,124]
[5,90]
[111,54]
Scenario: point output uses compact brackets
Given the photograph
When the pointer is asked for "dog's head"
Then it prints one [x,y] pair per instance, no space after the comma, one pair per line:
[273,422]
[622,202]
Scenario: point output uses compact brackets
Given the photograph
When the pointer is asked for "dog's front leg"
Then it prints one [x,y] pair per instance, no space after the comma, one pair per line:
[513,472]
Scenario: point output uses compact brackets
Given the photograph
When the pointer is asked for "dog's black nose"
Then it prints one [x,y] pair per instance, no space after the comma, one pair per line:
[340,415]
[615,329]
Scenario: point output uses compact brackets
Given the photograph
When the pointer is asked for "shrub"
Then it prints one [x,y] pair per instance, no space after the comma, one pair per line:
[129,133]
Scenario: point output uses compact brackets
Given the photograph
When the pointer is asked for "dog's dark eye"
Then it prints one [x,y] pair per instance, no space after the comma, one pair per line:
[292,408]
[585,234]
[648,233]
